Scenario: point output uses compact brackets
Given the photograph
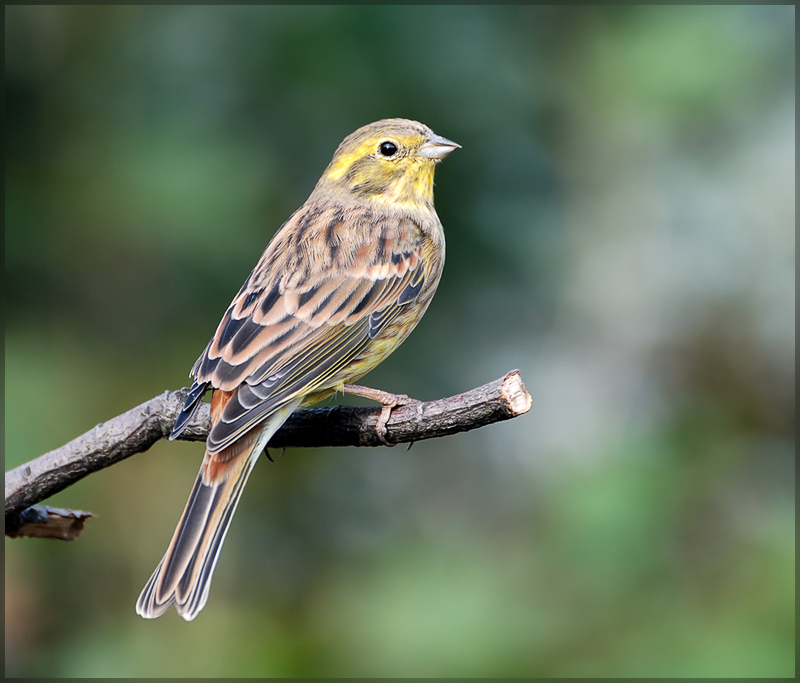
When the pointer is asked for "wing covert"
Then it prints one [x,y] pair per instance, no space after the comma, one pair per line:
[278,340]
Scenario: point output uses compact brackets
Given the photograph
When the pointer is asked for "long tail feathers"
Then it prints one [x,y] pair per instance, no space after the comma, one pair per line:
[183,577]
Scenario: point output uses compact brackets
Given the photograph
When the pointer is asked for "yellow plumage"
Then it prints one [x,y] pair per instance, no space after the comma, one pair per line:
[339,287]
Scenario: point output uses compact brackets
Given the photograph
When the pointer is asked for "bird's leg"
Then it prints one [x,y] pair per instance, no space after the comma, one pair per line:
[386,399]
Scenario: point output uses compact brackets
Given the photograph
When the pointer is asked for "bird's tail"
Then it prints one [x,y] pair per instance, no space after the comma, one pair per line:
[183,577]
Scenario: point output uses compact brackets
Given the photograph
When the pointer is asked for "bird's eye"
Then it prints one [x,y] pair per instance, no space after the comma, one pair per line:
[387,148]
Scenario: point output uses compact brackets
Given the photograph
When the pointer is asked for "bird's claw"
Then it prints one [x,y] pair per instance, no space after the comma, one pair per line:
[386,413]
[388,402]
[269,457]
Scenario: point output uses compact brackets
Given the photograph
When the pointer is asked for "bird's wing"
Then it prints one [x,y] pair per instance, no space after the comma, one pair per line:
[291,331]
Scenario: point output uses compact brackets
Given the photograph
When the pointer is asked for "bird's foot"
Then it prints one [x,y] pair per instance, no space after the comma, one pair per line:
[387,400]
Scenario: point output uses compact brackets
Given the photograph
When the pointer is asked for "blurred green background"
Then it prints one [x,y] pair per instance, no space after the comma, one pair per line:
[620,227]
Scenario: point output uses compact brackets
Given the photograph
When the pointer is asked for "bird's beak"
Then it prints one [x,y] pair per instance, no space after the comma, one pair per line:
[436,147]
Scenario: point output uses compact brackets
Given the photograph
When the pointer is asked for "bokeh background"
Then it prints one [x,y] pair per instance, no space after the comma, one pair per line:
[620,228]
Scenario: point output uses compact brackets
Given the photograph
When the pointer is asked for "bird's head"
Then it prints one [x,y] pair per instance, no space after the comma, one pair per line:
[390,162]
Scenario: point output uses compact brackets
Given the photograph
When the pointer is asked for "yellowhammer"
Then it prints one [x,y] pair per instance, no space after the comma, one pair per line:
[338,288]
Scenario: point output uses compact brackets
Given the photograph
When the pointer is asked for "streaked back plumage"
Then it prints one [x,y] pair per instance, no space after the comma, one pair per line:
[339,287]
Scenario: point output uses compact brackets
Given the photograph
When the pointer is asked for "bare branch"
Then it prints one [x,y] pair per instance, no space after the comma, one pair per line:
[40,521]
[139,428]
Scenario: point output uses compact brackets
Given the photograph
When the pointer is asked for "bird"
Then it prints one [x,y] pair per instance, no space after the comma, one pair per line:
[340,285]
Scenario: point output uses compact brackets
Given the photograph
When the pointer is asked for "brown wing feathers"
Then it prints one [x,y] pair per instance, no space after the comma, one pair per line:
[253,348]
[328,300]
[273,342]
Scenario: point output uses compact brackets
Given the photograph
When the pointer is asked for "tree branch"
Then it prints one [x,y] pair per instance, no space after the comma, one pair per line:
[139,428]
[40,521]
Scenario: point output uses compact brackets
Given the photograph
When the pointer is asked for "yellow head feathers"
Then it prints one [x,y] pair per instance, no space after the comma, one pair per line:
[389,161]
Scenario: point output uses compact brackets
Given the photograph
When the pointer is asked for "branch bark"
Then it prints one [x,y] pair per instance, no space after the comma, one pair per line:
[138,429]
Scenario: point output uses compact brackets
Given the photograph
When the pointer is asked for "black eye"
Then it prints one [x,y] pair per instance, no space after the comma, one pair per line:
[387,149]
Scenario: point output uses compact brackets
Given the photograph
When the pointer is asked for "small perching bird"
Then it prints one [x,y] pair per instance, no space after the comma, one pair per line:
[338,288]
